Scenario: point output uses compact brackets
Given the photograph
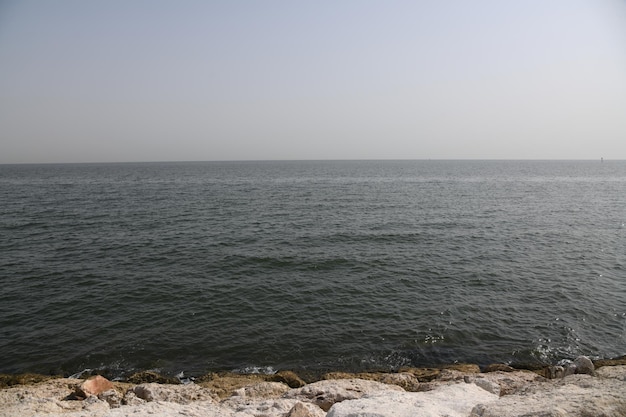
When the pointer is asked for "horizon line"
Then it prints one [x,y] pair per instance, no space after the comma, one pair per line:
[601,159]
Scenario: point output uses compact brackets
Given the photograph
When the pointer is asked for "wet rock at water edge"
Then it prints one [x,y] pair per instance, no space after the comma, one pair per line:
[584,365]
[499,367]
[288,377]
[9,380]
[620,360]
[151,377]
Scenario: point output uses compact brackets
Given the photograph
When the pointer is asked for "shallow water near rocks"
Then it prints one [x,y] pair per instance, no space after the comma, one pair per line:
[351,265]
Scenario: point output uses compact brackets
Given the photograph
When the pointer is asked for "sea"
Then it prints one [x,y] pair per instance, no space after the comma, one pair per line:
[259,266]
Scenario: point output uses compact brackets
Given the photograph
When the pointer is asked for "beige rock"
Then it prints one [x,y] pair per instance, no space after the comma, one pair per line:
[41,398]
[448,375]
[423,374]
[182,394]
[572,396]
[166,409]
[498,367]
[262,390]
[224,385]
[130,398]
[405,380]
[112,397]
[511,382]
[486,384]
[328,392]
[277,407]
[615,372]
[305,410]
[469,368]
[452,400]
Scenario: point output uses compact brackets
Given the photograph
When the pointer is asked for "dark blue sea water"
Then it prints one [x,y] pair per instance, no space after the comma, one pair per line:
[346,265]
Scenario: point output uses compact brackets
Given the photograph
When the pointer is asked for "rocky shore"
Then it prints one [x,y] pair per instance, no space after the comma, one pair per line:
[578,388]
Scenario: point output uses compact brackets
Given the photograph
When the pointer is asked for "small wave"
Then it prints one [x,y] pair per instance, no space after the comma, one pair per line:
[78,375]
[263,370]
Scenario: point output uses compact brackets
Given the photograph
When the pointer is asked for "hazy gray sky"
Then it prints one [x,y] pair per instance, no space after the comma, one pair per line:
[121,80]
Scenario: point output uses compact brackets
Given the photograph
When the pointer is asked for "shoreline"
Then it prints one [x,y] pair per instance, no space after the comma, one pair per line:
[580,388]
[307,376]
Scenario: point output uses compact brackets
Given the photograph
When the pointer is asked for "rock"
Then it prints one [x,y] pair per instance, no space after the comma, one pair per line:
[94,405]
[449,375]
[39,399]
[405,380]
[182,394]
[93,386]
[511,382]
[112,397]
[569,369]
[130,398]
[610,362]
[487,385]
[262,390]
[150,377]
[422,374]
[224,385]
[289,378]
[305,410]
[454,400]
[166,409]
[572,396]
[23,379]
[615,372]
[328,392]
[468,368]
[498,367]
[556,372]
[277,407]
[584,365]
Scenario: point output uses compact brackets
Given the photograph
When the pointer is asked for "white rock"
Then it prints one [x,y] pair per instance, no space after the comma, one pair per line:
[455,400]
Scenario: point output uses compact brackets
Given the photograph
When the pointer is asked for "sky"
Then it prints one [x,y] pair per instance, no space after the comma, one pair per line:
[121,81]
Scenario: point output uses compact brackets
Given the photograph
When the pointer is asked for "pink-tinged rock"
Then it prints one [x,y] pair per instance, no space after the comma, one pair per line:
[94,386]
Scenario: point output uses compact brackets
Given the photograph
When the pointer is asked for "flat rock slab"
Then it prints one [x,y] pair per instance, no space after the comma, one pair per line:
[455,400]
[326,393]
[572,396]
